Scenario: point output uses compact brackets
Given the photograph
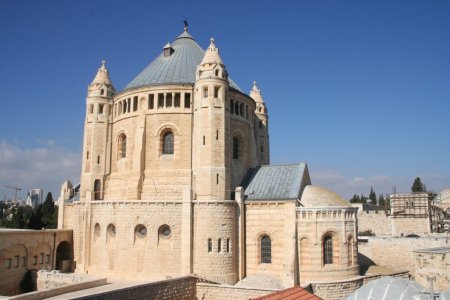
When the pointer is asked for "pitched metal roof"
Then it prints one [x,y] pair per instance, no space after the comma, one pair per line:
[293,293]
[177,68]
[276,182]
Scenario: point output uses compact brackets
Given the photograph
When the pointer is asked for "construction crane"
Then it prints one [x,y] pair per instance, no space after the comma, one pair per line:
[15,188]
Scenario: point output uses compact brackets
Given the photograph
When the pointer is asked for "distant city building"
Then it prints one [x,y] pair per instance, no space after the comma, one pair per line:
[35,197]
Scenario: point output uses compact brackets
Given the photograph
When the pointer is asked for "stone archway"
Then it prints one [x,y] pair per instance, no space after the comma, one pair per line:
[64,257]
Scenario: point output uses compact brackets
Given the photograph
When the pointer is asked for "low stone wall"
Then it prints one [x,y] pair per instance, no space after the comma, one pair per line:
[226,292]
[397,252]
[52,279]
[182,288]
[51,284]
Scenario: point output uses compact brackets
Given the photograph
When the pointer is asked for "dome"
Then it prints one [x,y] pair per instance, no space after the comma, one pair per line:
[314,196]
[386,288]
[177,68]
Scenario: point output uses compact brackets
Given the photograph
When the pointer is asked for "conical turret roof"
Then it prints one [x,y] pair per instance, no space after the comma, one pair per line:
[255,93]
[102,76]
[177,68]
[212,54]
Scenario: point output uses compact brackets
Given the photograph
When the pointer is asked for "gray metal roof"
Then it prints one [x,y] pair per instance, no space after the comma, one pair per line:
[276,182]
[178,68]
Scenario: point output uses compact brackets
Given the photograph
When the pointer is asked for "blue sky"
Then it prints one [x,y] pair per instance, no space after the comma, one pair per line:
[359,90]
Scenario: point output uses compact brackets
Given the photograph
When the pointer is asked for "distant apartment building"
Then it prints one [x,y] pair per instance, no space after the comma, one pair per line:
[35,197]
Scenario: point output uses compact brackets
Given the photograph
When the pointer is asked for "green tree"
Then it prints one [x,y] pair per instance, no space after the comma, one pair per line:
[418,186]
[381,201]
[48,216]
[355,199]
[364,199]
[372,196]
[35,219]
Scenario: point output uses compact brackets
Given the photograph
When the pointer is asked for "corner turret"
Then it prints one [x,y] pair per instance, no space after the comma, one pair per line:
[261,125]
[210,127]
[96,162]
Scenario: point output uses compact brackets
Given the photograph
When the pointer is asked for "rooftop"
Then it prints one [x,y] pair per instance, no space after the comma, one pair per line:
[274,182]
[293,293]
[177,68]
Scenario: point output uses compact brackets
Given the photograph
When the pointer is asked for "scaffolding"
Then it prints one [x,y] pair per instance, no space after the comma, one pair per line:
[421,205]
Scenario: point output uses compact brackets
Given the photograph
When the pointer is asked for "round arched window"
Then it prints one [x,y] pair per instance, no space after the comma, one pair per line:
[141,230]
[97,230]
[111,230]
[164,231]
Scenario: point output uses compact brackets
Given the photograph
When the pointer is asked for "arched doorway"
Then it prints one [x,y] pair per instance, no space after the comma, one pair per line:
[64,257]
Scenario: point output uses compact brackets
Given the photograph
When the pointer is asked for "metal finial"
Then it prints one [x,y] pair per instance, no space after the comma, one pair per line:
[185,24]
[103,62]
[212,40]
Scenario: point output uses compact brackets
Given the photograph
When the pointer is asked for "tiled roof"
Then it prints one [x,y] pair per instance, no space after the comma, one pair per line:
[274,182]
[178,68]
[292,293]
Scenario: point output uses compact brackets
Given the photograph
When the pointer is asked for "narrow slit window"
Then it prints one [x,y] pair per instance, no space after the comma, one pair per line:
[187,100]
[216,91]
[100,108]
[151,101]
[228,245]
[160,100]
[219,245]
[209,245]
[169,100]
[205,92]
[217,178]
[176,102]
[231,106]
[98,159]
[217,134]
[129,104]
[135,103]
[203,140]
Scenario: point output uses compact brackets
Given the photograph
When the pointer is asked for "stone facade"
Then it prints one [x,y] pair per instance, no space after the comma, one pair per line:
[433,263]
[30,250]
[398,252]
[166,164]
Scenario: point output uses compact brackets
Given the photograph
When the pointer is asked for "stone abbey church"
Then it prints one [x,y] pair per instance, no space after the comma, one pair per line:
[176,180]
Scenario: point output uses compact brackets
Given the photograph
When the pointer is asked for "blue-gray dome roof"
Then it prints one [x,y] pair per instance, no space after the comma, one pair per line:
[178,68]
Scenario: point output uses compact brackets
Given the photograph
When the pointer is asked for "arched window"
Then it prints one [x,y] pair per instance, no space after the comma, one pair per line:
[266,250]
[236,148]
[327,250]
[167,143]
[122,145]
[350,251]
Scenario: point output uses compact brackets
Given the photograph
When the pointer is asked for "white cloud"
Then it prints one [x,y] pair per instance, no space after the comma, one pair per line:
[45,167]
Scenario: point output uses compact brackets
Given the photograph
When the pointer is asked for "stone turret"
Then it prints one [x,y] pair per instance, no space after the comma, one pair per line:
[210,165]
[96,145]
[261,126]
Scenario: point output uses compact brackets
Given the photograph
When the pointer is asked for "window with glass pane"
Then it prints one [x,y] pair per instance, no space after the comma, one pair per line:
[327,250]
[168,143]
[266,250]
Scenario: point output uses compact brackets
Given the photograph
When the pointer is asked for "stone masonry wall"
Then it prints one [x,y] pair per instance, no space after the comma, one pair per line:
[379,223]
[397,252]
[206,291]
[182,288]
